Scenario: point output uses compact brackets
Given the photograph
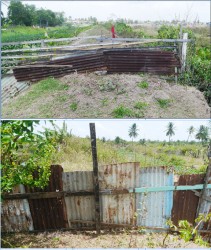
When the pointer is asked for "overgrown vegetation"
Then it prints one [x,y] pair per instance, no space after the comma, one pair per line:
[22,153]
[197,72]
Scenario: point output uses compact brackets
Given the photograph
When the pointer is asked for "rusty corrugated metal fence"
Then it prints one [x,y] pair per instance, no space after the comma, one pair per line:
[129,196]
[134,60]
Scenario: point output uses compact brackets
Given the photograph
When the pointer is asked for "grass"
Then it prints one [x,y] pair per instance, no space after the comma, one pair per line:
[164,103]
[22,33]
[186,158]
[143,85]
[121,112]
[141,105]
[74,106]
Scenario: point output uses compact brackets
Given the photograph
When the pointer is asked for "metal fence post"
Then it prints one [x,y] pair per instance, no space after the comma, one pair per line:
[184,52]
[96,179]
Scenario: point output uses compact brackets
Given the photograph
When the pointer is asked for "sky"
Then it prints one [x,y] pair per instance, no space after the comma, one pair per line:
[136,10]
[153,129]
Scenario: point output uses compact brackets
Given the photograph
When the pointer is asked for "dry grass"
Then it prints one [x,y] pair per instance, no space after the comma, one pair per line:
[112,239]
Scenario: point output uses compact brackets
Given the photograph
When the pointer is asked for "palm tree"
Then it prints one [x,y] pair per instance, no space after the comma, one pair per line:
[191,130]
[170,130]
[133,133]
[203,134]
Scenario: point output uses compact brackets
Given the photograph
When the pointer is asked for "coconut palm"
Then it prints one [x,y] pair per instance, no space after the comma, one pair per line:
[133,133]
[203,134]
[190,131]
[170,130]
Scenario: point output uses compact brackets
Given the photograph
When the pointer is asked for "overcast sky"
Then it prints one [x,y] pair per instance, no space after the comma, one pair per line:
[140,10]
[152,129]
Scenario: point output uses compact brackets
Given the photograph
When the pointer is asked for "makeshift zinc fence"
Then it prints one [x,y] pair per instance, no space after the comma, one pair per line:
[129,196]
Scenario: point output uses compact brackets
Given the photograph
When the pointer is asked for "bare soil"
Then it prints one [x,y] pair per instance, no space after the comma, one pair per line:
[111,239]
[97,96]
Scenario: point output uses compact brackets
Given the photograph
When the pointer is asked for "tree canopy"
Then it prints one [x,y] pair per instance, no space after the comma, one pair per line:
[28,15]
[24,152]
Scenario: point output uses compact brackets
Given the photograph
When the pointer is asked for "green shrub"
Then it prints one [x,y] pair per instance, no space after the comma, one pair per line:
[143,85]
[121,112]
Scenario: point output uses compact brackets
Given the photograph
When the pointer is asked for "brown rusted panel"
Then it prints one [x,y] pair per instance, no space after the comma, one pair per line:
[114,61]
[121,208]
[49,213]
[186,202]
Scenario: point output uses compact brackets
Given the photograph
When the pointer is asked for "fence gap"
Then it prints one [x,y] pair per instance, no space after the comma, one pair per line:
[96,179]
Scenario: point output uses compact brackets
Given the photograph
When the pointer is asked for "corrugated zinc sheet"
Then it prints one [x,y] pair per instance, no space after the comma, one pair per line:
[80,63]
[15,214]
[121,208]
[49,213]
[154,208]
[11,88]
[114,61]
[79,207]
[186,202]
[151,61]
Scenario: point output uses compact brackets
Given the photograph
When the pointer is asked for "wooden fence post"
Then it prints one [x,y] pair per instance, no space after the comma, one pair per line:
[184,52]
[96,180]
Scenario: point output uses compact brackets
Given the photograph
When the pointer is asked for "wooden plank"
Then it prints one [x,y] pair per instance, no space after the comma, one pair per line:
[146,40]
[46,195]
[95,174]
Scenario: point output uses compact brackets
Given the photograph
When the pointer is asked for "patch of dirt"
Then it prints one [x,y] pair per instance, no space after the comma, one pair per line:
[96,96]
[97,30]
[90,240]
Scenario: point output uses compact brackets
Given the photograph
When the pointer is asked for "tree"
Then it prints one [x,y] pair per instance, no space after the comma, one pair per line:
[170,130]
[23,153]
[133,133]
[191,130]
[16,12]
[203,134]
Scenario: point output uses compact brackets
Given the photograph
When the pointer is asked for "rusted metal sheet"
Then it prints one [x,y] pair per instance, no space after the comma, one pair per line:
[121,208]
[185,202]
[79,207]
[15,214]
[11,88]
[151,61]
[49,213]
[154,208]
[81,63]
[113,60]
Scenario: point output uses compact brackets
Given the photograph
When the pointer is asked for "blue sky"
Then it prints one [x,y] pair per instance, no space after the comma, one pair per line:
[153,129]
[140,10]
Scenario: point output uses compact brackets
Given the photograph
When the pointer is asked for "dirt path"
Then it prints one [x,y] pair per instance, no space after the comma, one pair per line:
[110,239]
[97,30]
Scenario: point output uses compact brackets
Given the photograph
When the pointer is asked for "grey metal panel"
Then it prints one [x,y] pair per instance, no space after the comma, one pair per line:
[15,214]
[79,207]
[121,208]
[154,208]
[11,88]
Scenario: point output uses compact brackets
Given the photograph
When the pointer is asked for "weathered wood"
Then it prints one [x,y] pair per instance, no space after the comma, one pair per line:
[46,195]
[95,175]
